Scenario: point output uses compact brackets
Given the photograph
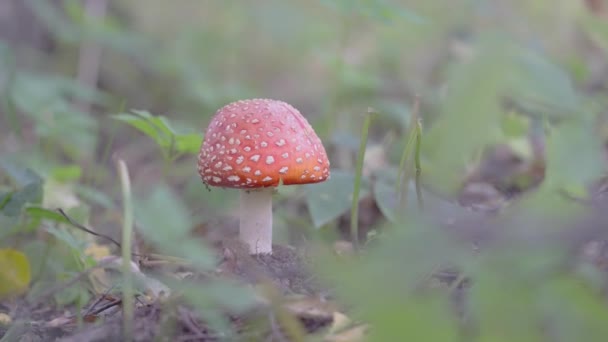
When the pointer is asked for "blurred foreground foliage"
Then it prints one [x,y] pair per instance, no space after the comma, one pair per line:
[519,74]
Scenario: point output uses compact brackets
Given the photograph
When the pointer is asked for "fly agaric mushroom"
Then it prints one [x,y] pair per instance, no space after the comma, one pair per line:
[255,145]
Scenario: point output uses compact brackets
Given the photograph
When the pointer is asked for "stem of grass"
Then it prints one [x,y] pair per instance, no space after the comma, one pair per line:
[404,165]
[417,164]
[127,232]
[354,216]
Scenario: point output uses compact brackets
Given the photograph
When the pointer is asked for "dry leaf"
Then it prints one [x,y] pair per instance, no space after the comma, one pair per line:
[5,319]
[340,321]
[96,251]
[312,308]
[354,334]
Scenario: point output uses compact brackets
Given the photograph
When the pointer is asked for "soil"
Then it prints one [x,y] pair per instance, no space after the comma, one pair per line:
[286,269]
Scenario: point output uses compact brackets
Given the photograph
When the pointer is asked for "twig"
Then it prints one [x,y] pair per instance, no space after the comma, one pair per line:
[98,300]
[81,227]
[106,307]
[191,324]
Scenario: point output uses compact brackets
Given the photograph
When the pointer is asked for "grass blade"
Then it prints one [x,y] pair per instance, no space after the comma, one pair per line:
[127,232]
[354,217]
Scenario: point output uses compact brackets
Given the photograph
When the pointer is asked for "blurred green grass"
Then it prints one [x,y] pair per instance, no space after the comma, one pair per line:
[471,63]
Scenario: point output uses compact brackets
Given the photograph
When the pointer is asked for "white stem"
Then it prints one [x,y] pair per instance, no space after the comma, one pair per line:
[256,220]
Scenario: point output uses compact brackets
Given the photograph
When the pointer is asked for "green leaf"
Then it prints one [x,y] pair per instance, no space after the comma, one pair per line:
[67,173]
[48,102]
[95,196]
[15,275]
[514,125]
[42,213]
[542,87]
[574,311]
[145,123]
[188,143]
[164,221]
[21,176]
[73,294]
[328,200]
[159,129]
[398,304]
[470,118]
[65,236]
[574,154]
[386,199]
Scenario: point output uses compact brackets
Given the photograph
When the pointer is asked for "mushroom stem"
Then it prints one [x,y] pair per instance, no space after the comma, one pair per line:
[256,220]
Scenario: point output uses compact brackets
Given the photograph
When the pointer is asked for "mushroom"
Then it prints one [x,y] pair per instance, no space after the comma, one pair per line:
[255,145]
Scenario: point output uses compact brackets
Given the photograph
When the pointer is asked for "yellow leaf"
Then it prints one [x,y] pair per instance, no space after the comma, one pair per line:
[97,251]
[14,272]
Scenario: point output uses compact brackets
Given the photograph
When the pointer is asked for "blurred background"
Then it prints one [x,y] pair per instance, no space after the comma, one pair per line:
[512,99]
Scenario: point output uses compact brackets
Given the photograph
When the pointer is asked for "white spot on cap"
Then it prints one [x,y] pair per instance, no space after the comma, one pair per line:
[233,151]
[316,168]
[280,142]
[234,178]
[298,148]
[218,165]
[263,144]
[243,131]
[239,159]
[227,168]
[269,133]
[248,137]
[246,148]
[257,173]
[217,179]
[231,141]
[255,121]
[285,155]
[299,160]
[269,160]
[267,179]
[283,170]
[255,157]
[246,169]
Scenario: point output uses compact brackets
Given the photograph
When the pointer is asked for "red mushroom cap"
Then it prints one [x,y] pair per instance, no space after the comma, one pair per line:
[259,143]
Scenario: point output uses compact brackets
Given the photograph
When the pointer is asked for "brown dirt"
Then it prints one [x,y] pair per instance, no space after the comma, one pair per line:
[286,269]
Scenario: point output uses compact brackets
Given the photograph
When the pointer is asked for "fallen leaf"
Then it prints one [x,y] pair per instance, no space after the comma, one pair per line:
[59,322]
[312,308]
[340,321]
[96,251]
[5,319]
[354,334]
[15,275]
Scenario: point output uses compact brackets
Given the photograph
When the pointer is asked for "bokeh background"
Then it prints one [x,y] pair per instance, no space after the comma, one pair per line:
[512,105]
